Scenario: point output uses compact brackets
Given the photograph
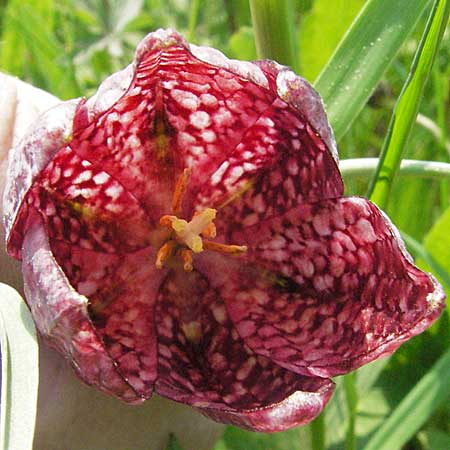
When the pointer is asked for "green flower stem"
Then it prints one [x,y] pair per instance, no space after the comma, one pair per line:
[423,169]
[318,432]
[351,397]
[274,28]
[193,17]
[407,106]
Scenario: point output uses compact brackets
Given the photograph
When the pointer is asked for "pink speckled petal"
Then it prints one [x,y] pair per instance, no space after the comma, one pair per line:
[29,158]
[202,361]
[84,206]
[61,316]
[177,112]
[279,162]
[220,117]
[286,157]
[325,288]
[121,290]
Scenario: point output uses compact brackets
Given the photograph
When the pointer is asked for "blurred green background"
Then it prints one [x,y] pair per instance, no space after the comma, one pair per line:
[68,47]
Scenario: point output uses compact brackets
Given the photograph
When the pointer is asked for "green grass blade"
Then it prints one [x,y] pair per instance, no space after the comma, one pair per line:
[44,56]
[431,391]
[437,243]
[12,47]
[368,375]
[274,28]
[20,372]
[356,67]
[420,251]
[234,438]
[406,109]
[336,415]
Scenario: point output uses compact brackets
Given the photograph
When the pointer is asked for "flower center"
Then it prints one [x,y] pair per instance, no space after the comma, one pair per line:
[187,238]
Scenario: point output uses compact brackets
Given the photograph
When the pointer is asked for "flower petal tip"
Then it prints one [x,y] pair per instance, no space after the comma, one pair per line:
[298,409]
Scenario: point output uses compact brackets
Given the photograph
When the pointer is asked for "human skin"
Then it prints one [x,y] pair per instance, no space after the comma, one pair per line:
[72,415]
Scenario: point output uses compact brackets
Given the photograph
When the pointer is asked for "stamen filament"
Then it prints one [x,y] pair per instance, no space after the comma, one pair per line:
[186,256]
[167,220]
[224,248]
[180,189]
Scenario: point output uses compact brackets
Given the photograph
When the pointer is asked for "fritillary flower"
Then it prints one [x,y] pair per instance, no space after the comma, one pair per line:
[184,232]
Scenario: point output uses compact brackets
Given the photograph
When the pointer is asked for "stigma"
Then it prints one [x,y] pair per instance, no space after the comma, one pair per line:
[188,238]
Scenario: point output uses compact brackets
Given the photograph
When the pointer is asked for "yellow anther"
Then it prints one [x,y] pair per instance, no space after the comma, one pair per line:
[210,231]
[167,220]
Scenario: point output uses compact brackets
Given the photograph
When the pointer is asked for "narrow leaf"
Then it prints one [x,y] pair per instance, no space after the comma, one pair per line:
[367,49]
[431,391]
[295,439]
[409,167]
[317,427]
[437,243]
[421,251]
[20,372]
[193,18]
